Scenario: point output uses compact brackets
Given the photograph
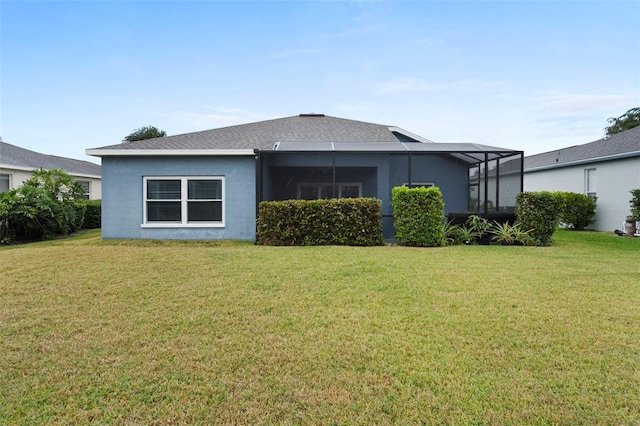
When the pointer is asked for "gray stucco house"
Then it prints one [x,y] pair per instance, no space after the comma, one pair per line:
[207,185]
[607,168]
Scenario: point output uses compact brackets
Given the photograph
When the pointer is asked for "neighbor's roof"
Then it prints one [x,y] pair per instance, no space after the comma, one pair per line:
[620,145]
[14,157]
[299,131]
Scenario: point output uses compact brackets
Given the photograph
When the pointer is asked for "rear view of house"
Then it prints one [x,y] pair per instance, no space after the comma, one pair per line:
[207,185]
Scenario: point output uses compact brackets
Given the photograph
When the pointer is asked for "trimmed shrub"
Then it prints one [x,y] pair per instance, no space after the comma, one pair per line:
[635,204]
[79,210]
[419,216]
[578,210]
[538,213]
[93,214]
[344,221]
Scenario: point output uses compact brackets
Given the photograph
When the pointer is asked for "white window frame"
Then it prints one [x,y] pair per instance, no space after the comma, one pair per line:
[319,186]
[184,223]
[590,182]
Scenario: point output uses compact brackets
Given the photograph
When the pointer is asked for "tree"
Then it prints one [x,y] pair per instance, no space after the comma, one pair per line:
[147,132]
[626,121]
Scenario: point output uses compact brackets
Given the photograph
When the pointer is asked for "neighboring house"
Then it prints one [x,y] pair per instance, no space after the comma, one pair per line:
[607,168]
[17,165]
[207,185]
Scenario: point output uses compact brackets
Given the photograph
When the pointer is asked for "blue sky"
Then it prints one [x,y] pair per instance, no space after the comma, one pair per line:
[535,76]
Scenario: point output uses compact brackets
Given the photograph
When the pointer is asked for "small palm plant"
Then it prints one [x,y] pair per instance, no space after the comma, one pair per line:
[503,233]
[451,233]
[466,235]
[507,235]
[480,227]
[522,237]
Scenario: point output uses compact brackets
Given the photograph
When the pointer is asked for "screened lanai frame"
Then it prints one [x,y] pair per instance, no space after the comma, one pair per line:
[495,191]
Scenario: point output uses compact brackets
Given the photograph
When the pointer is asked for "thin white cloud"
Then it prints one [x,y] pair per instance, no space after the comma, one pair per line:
[581,102]
[418,85]
[426,41]
[364,30]
[292,53]
[407,84]
[177,122]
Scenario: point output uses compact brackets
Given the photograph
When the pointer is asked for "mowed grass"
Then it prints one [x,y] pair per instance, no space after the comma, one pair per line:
[148,332]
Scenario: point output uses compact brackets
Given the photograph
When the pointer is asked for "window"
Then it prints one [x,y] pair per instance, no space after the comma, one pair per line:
[590,182]
[85,184]
[419,184]
[314,191]
[5,182]
[183,201]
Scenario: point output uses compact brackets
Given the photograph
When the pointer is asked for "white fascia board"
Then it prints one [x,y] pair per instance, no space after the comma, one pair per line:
[409,134]
[585,161]
[168,152]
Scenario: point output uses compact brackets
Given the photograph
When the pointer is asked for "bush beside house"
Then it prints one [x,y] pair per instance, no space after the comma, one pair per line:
[538,213]
[45,205]
[419,216]
[344,221]
[578,210]
[93,215]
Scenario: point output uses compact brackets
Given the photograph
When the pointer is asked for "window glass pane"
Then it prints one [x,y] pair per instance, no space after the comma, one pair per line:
[205,189]
[473,198]
[163,211]
[204,211]
[591,180]
[163,189]
[308,192]
[327,191]
[350,191]
[4,183]
[85,186]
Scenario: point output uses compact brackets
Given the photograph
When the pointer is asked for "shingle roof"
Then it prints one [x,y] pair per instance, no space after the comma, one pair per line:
[264,134]
[624,144]
[14,156]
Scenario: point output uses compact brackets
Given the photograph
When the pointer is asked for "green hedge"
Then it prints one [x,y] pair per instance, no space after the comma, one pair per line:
[93,215]
[419,216]
[79,215]
[344,221]
[539,214]
[577,210]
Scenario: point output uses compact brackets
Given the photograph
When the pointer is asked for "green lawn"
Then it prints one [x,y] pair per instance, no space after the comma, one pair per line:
[148,332]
